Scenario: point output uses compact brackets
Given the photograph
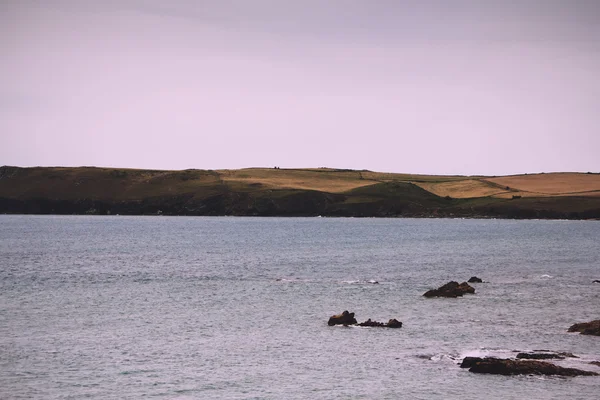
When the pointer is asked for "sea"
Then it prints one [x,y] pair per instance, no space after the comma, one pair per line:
[129,307]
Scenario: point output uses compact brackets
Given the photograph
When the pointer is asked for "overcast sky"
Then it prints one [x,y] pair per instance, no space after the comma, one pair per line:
[438,87]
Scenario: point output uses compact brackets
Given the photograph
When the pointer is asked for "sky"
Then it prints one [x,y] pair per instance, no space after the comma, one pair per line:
[470,87]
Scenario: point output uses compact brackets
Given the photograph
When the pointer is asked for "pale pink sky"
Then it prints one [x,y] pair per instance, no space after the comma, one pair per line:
[444,87]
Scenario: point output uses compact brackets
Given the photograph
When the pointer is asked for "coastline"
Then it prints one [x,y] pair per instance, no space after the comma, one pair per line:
[293,193]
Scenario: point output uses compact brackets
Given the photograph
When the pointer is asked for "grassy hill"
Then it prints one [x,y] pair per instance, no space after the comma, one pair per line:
[301,192]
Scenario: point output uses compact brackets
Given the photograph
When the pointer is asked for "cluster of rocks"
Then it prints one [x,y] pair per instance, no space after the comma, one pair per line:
[347,318]
[392,323]
[587,328]
[523,364]
[506,366]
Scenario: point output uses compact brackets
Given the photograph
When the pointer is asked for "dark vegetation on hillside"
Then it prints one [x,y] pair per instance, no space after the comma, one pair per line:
[260,192]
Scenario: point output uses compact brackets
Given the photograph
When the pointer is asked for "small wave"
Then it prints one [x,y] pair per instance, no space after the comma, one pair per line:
[443,357]
[361,282]
[424,356]
[546,276]
[135,371]
[285,280]
[438,357]
[143,280]
[348,326]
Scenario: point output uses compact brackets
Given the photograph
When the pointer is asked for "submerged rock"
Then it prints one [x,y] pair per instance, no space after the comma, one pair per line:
[501,366]
[587,328]
[451,289]
[596,363]
[345,318]
[475,279]
[540,356]
[566,354]
[596,281]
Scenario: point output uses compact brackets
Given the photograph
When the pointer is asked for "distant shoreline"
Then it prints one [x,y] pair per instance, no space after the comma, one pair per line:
[480,218]
[296,193]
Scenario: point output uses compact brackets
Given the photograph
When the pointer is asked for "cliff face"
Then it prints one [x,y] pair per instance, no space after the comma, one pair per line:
[260,192]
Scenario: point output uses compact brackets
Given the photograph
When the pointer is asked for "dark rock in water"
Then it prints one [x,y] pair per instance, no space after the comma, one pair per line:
[596,363]
[596,281]
[468,362]
[587,328]
[345,318]
[540,356]
[451,289]
[475,279]
[392,323]
[500,366]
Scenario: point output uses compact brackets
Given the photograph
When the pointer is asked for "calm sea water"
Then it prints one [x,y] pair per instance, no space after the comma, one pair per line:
[237,308]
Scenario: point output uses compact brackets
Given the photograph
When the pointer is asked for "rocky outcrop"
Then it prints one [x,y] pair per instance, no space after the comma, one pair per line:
[392,323]
[596,281]
[451,289]
[500,366]
[596,363]
[475,279]
[587,328]
[345,318]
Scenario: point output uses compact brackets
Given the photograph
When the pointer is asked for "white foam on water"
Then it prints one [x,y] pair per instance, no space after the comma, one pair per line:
[485,352]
